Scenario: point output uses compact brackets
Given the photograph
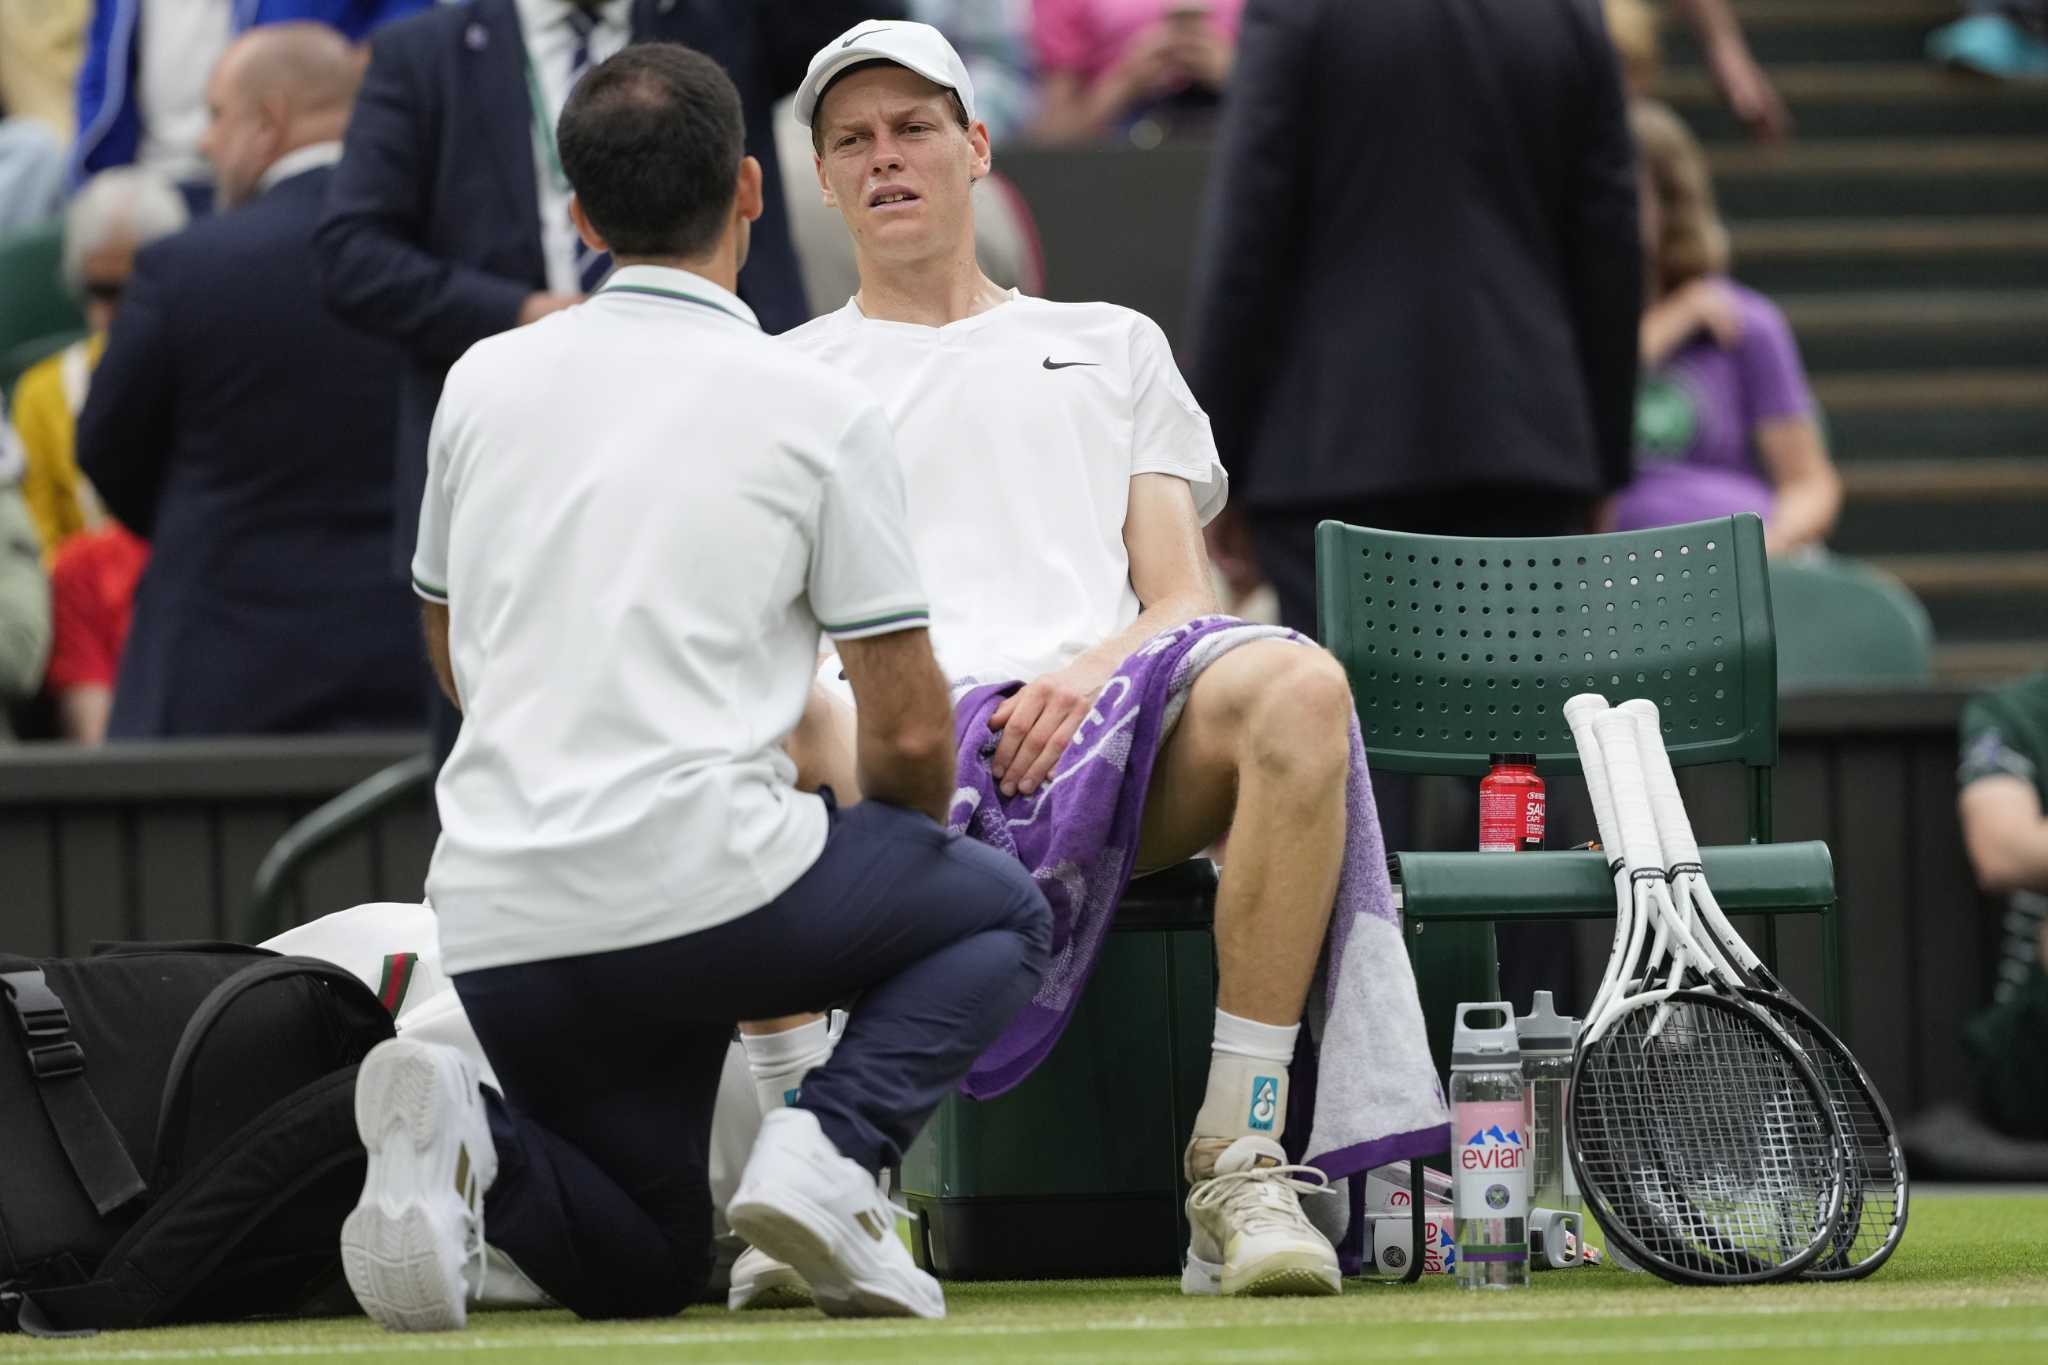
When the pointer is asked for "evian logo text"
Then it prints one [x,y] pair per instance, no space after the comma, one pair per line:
[1491,1149]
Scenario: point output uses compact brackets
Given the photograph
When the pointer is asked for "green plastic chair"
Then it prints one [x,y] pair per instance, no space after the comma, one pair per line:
[1460,648]
[1843,623]
[37,315]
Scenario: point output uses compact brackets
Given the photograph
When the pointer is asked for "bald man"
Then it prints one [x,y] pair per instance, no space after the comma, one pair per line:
[247,434]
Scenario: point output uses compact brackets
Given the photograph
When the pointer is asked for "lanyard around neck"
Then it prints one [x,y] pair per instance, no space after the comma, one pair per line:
[544,130]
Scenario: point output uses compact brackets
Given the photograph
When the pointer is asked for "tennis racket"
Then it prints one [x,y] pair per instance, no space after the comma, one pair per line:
[1702,1140]
[1876,1188]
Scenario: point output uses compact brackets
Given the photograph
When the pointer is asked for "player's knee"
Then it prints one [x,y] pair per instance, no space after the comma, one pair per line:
[1300,727]
[661,1288]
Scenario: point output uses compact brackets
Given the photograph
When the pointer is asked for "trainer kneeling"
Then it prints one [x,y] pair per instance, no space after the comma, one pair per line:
[640,513]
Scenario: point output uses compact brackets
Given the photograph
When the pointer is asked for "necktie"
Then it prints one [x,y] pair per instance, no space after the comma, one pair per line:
[591,266]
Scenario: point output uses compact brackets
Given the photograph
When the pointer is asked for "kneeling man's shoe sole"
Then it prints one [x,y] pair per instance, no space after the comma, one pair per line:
[803,1203]
[761,1281]
[420,1218]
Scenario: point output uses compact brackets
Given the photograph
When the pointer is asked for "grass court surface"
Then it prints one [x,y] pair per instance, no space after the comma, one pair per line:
[1971,1279]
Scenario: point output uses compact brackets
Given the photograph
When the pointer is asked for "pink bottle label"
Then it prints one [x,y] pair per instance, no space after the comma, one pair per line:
[1490,1154]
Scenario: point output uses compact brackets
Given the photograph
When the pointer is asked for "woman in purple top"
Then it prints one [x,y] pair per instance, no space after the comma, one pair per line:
[1724,420]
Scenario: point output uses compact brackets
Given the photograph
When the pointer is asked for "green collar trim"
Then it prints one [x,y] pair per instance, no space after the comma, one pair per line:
[656,291]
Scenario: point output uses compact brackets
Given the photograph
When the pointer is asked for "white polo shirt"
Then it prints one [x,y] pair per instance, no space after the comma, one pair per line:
[1019,430]
[640,512]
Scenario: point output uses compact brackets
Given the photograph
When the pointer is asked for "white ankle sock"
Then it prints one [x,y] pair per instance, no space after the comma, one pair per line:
[1247,1094]
[780,1061]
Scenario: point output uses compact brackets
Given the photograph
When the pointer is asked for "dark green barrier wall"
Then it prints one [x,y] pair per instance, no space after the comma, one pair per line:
[162,841]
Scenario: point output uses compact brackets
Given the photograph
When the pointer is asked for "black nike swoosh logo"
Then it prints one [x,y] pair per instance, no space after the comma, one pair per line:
[1052,364]
[858,36]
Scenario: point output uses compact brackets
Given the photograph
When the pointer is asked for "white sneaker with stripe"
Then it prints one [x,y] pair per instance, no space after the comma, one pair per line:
[421,1216]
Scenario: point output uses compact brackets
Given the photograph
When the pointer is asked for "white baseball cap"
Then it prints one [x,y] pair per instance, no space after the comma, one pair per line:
[920,47]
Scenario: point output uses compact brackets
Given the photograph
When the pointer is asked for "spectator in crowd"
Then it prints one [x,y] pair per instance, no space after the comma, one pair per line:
[31,173]
[244,431]
[92,600]
[117,214]
[1744,87]
[618,818]
[994,38]
[1418,284]
[1104,62]
[448,218]
[2004,807]
[41,45]
[24,593]
[2006,39]
[1724,420]
[142,90]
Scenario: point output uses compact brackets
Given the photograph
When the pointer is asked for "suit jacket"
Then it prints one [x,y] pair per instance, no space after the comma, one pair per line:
[244,432]
[1420,272]
[432,236]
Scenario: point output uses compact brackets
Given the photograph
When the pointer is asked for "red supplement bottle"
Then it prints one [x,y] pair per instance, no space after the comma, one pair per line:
[1511,806]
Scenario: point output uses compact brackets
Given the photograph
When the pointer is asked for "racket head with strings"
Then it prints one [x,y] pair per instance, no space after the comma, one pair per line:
[1705,1149]
[1876,1191]
[1876,1184]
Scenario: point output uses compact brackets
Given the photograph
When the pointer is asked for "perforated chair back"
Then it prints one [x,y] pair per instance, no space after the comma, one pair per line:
[1459,648]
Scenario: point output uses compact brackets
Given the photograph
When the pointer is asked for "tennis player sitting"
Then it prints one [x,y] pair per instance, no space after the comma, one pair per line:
[1058,472]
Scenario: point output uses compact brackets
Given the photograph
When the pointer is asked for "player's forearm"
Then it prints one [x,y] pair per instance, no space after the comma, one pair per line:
[1174,609]
[912,768]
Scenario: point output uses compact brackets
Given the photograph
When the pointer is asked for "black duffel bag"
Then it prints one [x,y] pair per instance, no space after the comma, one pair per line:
[177,1134]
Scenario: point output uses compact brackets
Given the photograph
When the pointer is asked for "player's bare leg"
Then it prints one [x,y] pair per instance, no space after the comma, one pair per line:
[1262,751]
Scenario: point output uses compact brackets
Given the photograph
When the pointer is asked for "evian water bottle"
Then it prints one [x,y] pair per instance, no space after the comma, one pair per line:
[1490,1150]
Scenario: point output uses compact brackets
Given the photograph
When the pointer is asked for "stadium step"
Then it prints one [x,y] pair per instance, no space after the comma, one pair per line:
[1873,99]
[1876,413]
[1921,503]
[1883,177]
[1782,31]
[1970,596]
[1919,329]
[1786,256]
[1980,663]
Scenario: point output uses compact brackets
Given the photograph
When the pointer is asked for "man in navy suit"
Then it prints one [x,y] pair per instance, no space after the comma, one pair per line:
[244,431]
[448,222]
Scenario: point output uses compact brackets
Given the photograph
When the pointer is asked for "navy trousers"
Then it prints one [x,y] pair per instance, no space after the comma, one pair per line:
[610,1062]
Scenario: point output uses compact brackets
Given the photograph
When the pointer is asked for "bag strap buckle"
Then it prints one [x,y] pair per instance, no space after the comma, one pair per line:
[41,1013]
[54,1061]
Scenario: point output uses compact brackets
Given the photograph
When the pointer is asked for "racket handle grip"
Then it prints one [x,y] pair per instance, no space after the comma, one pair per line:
[1579,713]
[1617,734]
[1674,827]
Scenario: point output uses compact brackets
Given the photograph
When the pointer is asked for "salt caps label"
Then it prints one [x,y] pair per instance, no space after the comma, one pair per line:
[1490,1160]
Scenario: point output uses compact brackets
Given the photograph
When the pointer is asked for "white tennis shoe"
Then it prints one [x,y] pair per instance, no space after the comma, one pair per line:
[803,1203]
[421,1216]
[1247,1232]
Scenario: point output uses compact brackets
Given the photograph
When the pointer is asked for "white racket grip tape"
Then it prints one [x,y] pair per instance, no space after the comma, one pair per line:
[1617,733]
[1674,826]
[1579,713]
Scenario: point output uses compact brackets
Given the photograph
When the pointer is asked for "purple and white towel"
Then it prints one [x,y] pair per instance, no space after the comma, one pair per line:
[1371,1090]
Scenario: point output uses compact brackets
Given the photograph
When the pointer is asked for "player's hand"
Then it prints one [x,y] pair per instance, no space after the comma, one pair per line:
[538,306]
[1747,91]
[1037,721]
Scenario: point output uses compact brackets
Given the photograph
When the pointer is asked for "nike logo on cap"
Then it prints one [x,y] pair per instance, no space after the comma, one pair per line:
[858,36]
[1052,364]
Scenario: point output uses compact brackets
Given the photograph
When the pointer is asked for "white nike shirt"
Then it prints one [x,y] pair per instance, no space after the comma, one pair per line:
[1019,431]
